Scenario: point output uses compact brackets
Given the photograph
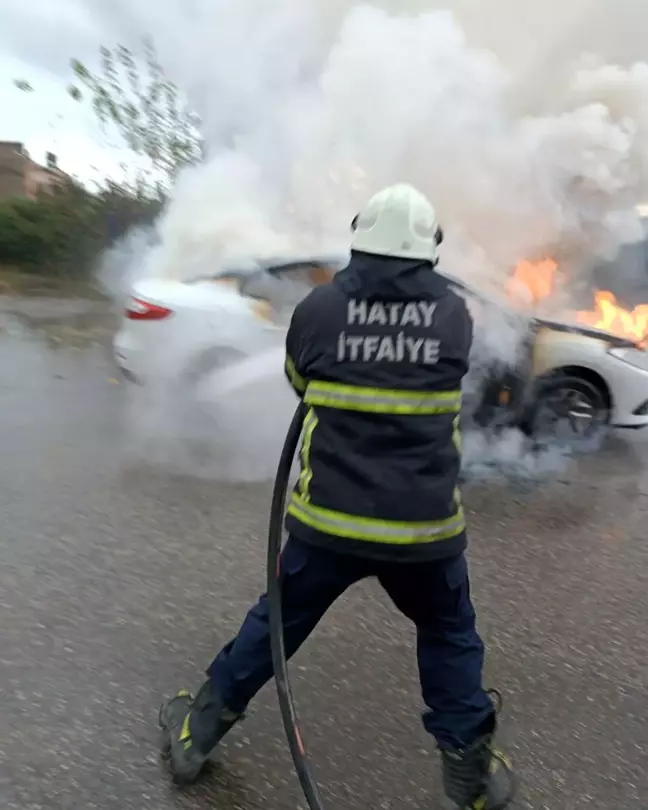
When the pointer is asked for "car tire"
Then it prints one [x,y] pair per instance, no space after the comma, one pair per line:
[206,363]
[578,404]
[195,419]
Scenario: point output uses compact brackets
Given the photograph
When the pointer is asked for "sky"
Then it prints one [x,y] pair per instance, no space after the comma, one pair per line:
[39,37]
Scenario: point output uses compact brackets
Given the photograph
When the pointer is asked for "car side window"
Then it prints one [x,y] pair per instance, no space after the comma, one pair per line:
[278,295]
[295,274]
[293,283]
[259,285]
[310,274]
[279,287]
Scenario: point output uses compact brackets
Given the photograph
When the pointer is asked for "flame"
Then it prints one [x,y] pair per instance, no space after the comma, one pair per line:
[611,317]
[532,282]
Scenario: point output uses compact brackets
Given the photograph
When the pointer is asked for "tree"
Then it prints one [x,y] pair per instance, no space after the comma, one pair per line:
[132,96]
[24,85]
[136,97]
[57,233]
[62,233]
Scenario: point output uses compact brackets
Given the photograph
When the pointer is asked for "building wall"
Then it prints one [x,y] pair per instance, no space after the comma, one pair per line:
[12,170]
[20,176]
[38,180]
[11,184]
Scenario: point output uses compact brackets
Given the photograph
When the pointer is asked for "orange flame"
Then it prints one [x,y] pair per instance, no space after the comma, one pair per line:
[534,281]
[611,317]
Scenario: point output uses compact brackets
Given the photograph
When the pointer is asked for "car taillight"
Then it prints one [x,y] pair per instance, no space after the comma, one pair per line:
[140,310]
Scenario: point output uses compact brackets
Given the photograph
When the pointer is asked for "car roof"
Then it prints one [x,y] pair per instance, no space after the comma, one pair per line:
[274,267]
[279,266]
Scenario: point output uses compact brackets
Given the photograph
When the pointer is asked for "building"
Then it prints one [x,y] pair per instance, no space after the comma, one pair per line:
[20,176]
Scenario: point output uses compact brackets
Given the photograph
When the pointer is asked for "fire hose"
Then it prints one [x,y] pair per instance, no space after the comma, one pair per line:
[280,663]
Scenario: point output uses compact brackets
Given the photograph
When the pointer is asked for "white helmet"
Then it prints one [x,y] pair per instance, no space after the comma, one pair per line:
[398,221]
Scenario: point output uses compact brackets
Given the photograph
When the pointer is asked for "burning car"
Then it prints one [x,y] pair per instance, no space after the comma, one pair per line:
[567,382]
[190,329]
[584,371]
[568,379]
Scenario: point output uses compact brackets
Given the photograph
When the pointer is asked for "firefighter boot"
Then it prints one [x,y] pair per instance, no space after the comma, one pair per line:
[478,777]
[191,730]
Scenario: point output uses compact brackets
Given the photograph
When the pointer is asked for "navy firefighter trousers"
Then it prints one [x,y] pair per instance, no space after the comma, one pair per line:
[434,595]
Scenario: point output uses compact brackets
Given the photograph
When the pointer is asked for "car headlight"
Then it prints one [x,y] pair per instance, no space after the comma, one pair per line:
[634,356]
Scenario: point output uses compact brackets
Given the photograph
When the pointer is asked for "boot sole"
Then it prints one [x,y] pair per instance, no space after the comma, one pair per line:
[507,768]
[165,721]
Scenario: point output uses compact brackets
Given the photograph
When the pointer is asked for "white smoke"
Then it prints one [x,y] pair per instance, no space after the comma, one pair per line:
[309,107]
[313,106]
[231,426]
[124,263]
[511,456]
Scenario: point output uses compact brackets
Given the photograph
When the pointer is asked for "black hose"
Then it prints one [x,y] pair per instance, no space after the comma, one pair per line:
[280,664]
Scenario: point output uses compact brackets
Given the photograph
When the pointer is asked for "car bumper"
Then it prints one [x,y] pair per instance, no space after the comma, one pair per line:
[629,390]
[127,358]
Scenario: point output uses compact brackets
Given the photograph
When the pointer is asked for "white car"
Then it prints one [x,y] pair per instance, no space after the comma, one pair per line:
[193,328]
[567,377]
[570,382]
[599,374]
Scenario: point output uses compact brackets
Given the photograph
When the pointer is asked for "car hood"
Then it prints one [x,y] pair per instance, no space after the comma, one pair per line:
[546,323]
[586,331]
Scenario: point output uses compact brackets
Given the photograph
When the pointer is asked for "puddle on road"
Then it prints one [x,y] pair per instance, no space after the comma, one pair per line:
[46,339]
[57,322]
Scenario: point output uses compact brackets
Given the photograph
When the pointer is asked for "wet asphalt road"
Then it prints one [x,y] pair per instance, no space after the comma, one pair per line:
[119,580]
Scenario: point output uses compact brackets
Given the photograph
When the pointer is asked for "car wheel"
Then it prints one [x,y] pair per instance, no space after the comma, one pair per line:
[194,416]
[567,409]
[206,363]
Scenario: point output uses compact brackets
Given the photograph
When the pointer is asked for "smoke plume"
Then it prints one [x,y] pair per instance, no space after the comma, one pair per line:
[526,145]
[307,108]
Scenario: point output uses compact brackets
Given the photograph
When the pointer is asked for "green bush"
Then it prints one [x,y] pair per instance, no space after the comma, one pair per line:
[63,233]
[132,98]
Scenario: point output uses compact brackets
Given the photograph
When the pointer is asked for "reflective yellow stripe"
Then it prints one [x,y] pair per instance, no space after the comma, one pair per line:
[296,380]
[310,423]
[381,400]
[185,733]
[355,527]
[457,441]
[456,434]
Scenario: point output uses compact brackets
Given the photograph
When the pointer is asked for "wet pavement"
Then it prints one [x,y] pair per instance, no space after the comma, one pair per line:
[118,580]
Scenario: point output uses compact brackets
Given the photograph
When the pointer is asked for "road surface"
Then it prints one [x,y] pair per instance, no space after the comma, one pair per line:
[119,579]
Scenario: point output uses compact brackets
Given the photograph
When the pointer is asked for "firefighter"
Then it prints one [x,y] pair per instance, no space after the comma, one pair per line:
[378,356]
